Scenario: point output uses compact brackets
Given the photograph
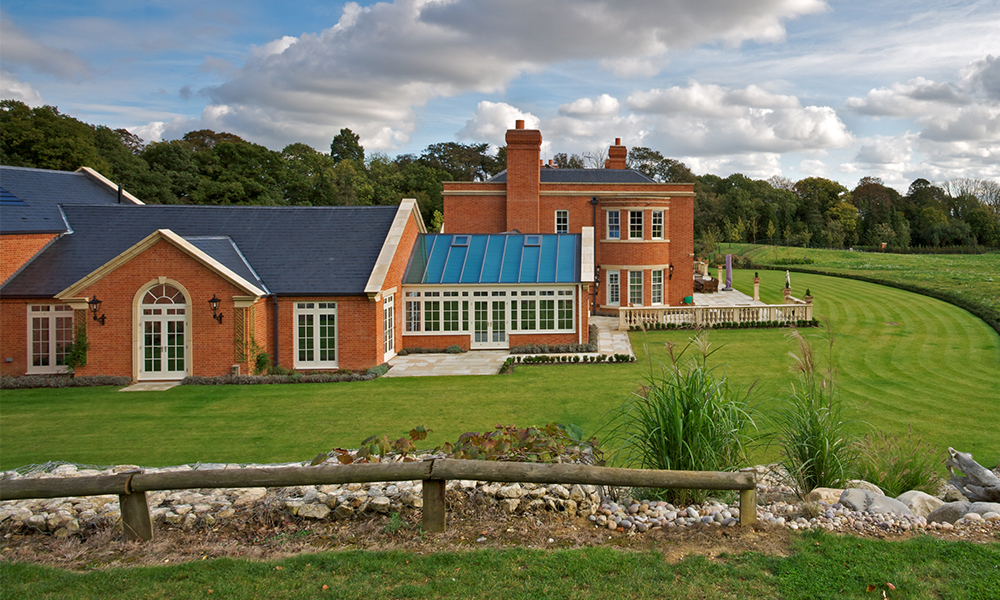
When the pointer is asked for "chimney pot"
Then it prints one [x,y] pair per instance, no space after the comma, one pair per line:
[618,141]
[519,124]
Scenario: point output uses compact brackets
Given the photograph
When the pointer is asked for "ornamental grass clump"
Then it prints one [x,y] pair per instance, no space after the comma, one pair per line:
[687,417]
[816,448]
[898,464]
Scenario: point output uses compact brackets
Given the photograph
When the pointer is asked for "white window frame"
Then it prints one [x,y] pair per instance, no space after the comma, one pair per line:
[656,286]
[635,220]
[413,312]
[389,325]
[49,315]
[616,216]
[562,221]
[317,310]
[657,225]
[635,288]
[614,288]
[525,309]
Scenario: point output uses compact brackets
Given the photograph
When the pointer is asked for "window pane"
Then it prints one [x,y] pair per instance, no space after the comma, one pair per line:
[635,225]
[635,288]
[614,224]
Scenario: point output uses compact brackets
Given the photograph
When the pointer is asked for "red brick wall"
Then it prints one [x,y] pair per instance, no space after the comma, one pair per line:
[14,334]
[519,339]
[463,340]
[475,214]
[394,278]
[680,225]
[211,343]
[17,249]
[359,330]
[523,152]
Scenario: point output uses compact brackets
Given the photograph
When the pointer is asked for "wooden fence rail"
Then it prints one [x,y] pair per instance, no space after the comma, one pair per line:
[131,487]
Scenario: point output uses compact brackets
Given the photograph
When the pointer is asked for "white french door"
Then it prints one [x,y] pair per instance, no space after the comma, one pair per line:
[163,323]
[489,321]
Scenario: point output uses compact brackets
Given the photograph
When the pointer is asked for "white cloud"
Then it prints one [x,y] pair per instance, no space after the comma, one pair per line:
[381,62]
[604,106]
[701,120]
[492,120]
[18,49]
[13,89]
[917,97]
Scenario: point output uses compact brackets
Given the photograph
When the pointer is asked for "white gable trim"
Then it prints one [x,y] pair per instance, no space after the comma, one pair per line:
[146,243]
[391,244]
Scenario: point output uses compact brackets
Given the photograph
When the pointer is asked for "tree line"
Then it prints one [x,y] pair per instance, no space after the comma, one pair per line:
[208,167]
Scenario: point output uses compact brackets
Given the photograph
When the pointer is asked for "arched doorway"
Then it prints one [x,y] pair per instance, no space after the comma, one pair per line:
[163,333]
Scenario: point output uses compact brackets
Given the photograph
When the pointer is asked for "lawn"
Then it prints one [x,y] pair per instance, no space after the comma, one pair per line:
[818,566]
[972,277]
[902,359]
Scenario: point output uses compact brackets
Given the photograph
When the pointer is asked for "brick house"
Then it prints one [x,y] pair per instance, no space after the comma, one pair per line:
[643,236]
[314,287]
[205,290]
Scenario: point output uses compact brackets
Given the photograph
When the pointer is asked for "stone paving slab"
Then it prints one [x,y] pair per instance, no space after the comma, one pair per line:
[478,362]
[731,298]
[151,386]
[488,362]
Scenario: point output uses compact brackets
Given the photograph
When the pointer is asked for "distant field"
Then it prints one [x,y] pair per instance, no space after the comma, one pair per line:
[975,277]
[903,359]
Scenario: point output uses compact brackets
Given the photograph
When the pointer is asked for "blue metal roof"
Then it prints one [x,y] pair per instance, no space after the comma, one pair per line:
[494,259]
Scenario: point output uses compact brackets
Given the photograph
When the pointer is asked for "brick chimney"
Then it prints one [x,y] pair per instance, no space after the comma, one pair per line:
[617,156]
[524,149]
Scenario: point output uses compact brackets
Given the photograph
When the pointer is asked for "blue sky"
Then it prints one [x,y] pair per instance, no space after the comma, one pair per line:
[797,88]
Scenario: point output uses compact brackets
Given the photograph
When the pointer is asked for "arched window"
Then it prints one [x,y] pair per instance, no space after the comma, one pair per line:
[163,294]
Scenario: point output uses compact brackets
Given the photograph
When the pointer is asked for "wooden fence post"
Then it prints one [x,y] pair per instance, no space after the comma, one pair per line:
[748,506]
[136,521]
[434,505]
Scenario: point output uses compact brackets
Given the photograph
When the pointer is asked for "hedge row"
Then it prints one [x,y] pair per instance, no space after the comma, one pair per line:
[61,381]
[273,379]
[728,325]
[591,346]
[453,349]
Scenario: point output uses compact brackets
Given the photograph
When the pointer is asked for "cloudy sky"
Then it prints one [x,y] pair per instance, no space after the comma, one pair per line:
[898,89]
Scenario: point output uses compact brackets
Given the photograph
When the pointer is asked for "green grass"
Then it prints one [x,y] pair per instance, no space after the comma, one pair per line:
[819,566]
[901,360]
[968,278]
[935,370]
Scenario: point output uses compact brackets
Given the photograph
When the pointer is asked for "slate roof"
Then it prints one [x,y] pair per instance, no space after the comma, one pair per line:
[40,192]
[306,251]
[583,176]
[225,250]
[462,259]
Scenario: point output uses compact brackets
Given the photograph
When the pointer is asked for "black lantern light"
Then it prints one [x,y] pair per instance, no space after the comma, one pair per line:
[214,303]
[671,273]
[95,306]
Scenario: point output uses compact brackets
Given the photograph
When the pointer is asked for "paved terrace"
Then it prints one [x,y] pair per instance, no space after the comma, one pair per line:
[488,362]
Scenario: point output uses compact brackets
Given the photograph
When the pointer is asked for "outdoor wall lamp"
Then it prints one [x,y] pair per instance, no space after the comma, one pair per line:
[214,303]
[670,275]
[95,306]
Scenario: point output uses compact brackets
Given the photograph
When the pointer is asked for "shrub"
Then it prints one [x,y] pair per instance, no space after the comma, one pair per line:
[816,449]
[687,417]
[61,381]
[550,443]
[898,465]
